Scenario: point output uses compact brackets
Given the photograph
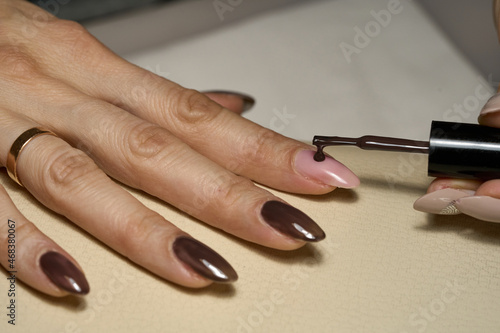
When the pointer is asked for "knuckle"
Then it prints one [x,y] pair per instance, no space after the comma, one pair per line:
[71,27]
[27,231]
[147,141]
[226,190]
[255,149]
[22,25]
[230,193]
[23,232]
[137,231]
[68,170]
[17,64]
[191,107]
[69,31]
[77,44]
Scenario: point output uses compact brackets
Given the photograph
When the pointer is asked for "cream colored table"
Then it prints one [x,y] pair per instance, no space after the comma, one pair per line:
[383,267]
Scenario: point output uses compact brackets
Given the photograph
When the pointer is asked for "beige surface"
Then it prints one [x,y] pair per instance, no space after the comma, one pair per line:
[381,267]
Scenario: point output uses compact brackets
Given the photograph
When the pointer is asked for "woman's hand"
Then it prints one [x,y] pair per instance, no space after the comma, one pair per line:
[477,199]
[113,118]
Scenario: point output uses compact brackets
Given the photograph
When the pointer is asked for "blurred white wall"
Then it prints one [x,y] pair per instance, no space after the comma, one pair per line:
[469,24]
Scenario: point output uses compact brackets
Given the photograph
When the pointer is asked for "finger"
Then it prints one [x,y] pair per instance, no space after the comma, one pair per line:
[442,195]
[241,146]
[68,182]
[438,184]
[233,101]
[490,114]
[229,140]
[485,204]
[148,157]
[456,196]
[31,256]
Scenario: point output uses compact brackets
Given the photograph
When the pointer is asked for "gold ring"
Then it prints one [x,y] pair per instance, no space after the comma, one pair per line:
[17,148]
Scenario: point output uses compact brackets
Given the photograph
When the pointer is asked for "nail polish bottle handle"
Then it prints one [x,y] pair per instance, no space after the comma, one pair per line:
[464,151]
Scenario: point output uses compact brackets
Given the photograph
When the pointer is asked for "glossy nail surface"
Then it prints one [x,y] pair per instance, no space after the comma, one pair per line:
[441,202]
[63,273]
[330,171]
[203,260]
[291,222]
[481,207]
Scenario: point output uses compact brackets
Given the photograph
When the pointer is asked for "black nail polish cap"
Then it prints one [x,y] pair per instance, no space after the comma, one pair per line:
[464,151]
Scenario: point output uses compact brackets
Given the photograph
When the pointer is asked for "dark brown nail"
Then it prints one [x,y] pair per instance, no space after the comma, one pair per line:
[203,260]
[248,101]
[63,273]
[291,222]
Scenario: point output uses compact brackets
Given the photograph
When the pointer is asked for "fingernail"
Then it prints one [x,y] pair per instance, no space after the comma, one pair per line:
[441,202]
[493,105]
[481,207]
[291,222]
[63,273]
[330,171]
[203,260]
[248,101]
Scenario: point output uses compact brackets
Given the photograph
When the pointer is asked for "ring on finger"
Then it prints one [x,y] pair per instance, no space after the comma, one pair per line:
[18,146]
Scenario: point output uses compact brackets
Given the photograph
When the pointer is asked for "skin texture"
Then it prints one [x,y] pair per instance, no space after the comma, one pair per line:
[116,120]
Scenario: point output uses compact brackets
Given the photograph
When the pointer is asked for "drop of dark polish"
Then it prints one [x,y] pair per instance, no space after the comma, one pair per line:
[320,155]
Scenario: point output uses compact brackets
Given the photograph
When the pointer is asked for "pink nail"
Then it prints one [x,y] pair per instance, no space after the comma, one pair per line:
[329,171]
[441,202]
[493,105]
[481,207]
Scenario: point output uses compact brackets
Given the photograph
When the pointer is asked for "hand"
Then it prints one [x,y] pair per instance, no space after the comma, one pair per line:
[475,198]
[454,196]
[113,118]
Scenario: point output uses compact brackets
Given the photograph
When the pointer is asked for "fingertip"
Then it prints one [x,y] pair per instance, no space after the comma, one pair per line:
[291,223]
[480,207]
[63,273]
[490,113]
[233,101]
[329,172]
[203,261]
[440,202]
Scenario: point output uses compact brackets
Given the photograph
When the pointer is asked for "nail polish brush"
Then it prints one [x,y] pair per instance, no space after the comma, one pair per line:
[455,150]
